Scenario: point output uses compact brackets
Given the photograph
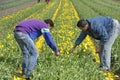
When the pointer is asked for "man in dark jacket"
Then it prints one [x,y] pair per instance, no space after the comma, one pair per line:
[104,29]
[24,33]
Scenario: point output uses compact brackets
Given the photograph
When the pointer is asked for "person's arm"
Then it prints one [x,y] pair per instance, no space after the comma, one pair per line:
[49,40]
[81,37]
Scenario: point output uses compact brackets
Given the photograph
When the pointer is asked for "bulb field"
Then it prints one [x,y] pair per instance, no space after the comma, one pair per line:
[83,64]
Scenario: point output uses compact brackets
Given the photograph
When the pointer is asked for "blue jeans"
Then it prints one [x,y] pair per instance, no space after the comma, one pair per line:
[105,55]
[29,52]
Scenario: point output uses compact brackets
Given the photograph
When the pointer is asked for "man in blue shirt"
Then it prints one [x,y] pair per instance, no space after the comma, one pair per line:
[25,32]
[104,29]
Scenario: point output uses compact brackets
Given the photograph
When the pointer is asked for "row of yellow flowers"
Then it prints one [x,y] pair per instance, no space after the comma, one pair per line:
[65,33]
[66,30]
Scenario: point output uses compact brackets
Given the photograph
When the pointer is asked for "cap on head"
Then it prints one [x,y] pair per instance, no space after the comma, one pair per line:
[82,23]
[49,21]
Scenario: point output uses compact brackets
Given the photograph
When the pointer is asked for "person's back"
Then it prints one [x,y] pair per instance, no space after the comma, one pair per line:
[101,22]
[100,26]
[32,27]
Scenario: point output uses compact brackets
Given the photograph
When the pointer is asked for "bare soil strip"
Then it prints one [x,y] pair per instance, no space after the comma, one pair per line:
[15,9]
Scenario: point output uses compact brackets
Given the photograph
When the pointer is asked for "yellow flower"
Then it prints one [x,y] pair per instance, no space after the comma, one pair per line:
[1,46]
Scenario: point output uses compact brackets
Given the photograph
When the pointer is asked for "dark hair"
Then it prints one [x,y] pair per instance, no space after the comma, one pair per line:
[82,23]
[49,21]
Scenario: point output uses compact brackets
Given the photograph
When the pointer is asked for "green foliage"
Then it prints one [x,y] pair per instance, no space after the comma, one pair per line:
[66,67]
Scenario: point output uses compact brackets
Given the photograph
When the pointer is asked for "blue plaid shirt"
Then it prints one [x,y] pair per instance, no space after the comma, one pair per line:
[100,28]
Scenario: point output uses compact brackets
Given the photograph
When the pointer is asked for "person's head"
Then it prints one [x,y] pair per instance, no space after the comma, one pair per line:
[83,24]
[50,23]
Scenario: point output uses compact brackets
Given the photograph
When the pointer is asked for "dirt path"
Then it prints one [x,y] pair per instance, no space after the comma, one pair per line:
[15,9]
[3,2]
[116,1]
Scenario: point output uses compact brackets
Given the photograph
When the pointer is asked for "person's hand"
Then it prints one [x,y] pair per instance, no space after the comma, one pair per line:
[73,48]
[98,50]
[57,53]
